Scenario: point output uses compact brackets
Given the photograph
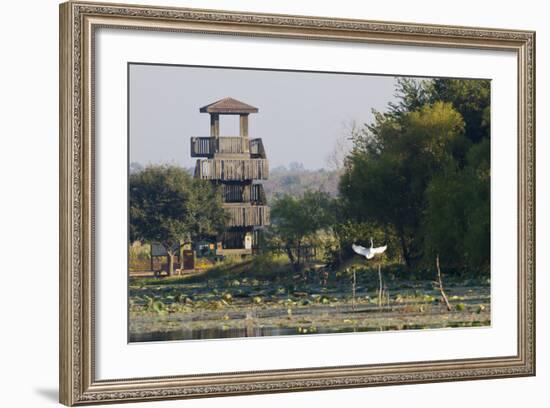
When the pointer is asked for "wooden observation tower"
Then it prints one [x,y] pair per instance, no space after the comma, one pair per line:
[235,163]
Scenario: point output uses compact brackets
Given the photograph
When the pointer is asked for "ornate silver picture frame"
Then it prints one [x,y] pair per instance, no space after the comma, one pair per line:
[79,22]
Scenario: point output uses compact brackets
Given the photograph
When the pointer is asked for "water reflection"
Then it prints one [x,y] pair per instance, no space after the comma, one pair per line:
[251,331]
[212,333]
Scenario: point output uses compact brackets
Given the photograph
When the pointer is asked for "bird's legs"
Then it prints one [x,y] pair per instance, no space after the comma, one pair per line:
[353,285]
[380,287]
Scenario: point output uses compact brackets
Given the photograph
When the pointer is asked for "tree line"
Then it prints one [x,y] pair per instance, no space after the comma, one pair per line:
[418,178]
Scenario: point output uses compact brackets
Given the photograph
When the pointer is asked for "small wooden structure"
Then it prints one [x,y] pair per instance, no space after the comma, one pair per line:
[236,164]
[159,251]
[188,256]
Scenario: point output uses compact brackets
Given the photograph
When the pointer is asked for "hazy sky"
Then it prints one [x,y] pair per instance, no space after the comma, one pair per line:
[300,114]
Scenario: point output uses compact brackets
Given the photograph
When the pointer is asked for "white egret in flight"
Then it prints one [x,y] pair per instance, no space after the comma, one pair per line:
[369,252]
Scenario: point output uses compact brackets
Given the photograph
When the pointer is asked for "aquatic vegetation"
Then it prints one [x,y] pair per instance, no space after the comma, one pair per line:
[213,308]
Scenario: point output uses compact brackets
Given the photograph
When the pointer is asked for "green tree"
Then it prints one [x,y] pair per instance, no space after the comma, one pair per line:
[206,216]
[457,222]
[471,98]
[411,94]
[168,206]
[393,162]
[296,220]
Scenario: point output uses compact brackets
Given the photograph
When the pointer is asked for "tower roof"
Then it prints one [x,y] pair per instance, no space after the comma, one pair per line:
[228,106]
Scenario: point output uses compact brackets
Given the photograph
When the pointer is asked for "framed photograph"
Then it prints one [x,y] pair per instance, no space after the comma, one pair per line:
[255,203]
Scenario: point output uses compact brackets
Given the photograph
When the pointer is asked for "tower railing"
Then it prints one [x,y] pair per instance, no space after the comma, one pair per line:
[232,169]
[232,145]
[247,215]
[201,146]
[208,146]
[257,148]
[238,193]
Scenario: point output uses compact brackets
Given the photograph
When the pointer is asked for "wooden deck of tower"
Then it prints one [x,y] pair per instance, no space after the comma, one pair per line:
[236,164]
[232,169]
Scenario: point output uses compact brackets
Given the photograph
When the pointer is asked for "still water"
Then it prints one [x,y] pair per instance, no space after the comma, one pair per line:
[219,333]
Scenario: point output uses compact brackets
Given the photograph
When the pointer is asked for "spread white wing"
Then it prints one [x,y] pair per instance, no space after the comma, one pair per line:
[366,252]
[379,250]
